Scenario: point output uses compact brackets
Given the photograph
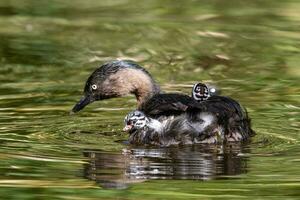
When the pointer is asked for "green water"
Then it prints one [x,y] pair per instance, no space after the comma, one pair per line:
[249,49]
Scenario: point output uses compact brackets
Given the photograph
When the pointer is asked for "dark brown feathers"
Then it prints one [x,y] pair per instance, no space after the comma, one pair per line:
[167,104]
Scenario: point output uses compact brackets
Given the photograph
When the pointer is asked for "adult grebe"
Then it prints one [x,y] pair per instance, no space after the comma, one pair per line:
[120,78]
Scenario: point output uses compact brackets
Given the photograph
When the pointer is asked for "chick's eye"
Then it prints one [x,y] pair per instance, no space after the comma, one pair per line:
[94,87]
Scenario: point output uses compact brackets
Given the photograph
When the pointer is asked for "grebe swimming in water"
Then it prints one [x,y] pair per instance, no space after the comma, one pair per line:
[120,78]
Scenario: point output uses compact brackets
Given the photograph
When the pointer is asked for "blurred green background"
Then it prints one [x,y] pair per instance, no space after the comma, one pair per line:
[249,49]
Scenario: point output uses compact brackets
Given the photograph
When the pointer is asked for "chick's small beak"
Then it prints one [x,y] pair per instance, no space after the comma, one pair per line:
[127,127]
[85,100]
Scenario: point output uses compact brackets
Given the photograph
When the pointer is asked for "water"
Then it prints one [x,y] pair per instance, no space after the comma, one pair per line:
[250,49]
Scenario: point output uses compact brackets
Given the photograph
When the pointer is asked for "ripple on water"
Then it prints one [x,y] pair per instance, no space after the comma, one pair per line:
[48,49]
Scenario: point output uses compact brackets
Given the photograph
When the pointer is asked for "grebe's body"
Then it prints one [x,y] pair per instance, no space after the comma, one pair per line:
[120,78]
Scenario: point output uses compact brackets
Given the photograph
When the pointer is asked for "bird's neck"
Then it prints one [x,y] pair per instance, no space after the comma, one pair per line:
[132,81]
[144,93]
[142,85]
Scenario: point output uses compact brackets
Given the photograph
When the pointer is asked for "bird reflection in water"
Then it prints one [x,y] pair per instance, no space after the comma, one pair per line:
[195,162]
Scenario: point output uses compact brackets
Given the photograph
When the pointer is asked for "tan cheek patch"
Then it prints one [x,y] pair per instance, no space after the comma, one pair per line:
[128,81]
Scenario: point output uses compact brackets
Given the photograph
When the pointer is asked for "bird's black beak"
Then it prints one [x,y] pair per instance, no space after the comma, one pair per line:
[85,100]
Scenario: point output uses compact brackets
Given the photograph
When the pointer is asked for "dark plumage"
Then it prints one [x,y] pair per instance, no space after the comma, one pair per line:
[167,104]
[230,114]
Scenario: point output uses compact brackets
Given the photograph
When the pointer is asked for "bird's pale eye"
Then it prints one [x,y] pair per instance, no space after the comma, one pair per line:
[94,87]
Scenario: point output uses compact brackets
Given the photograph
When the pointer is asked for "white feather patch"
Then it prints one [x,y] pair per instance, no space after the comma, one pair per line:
[207,119]
[156,125]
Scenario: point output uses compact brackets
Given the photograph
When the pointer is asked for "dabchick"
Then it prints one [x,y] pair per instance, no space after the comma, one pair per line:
[202,92]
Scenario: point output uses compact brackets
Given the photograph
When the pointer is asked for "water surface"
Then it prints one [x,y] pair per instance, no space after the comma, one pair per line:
[249,49]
